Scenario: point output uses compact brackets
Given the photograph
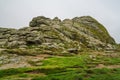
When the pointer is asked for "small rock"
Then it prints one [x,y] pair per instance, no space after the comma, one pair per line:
[73,50]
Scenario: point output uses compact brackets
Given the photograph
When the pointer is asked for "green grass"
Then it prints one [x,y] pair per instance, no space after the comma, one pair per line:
[111,61]
[50,66]
[69,75]
[77,74]
[62,62]
[66,68]
[103,74]
[14,71]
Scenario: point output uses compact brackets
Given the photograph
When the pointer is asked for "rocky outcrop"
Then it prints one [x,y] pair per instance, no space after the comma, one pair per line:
[76,33]
[40,20]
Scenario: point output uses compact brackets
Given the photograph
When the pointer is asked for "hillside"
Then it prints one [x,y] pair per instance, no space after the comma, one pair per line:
[53,49]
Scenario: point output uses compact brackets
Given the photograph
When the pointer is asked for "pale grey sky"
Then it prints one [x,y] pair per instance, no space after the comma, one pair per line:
[18,13]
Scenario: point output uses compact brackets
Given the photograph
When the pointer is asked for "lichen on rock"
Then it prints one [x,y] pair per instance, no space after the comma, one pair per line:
[85,30]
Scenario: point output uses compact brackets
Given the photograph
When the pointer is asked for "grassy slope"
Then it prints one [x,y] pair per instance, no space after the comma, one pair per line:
[78,67]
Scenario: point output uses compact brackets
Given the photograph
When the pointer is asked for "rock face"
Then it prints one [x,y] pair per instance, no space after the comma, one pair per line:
[76,33]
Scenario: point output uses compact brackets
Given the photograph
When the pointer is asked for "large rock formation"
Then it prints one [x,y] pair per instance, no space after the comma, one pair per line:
[72,34]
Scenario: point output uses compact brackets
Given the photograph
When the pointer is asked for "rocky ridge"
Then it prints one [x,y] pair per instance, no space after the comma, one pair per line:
[54,34]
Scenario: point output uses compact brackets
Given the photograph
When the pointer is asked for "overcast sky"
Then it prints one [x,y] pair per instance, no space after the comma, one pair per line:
[18,13]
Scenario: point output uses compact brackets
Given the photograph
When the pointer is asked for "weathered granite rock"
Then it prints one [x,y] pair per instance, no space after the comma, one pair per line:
[56,20]
[40,20]
[76,33]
